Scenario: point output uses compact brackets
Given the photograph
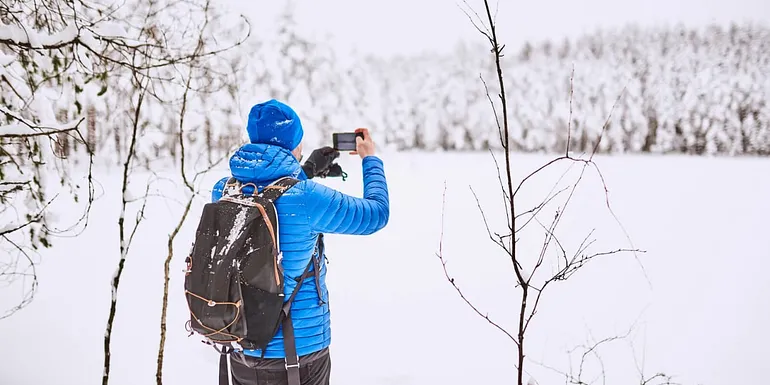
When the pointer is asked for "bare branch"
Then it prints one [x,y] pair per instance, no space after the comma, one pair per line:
[569,122]
[498,241]
[497,120]
[606,123]
[451,280]
[486,31]
[506,195]
[42,130]
[29,294]
[591,350]
[190,186]
[124,245]
[617,220]
[535,210]
[37,217]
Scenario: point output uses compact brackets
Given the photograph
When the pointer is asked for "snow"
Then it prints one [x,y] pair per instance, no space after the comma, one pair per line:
[284,122]
[15,129]
[700,219]
[35,38]
[6,59]
[525,273]
[236,230]
[128,196]
[8,226]
[88,39]
[24,129]
[110,29]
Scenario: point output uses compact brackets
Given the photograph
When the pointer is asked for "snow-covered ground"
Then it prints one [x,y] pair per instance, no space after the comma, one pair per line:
[700,304]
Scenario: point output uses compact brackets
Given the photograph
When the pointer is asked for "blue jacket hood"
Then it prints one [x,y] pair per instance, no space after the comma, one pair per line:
[261,164]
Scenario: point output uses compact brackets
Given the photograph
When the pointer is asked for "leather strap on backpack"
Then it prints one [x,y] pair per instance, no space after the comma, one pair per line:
[274,190]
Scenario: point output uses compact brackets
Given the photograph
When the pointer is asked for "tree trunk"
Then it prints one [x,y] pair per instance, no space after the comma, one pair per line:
[91,136]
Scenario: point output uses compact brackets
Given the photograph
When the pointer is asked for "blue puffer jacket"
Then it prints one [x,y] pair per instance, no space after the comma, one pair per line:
[305,211]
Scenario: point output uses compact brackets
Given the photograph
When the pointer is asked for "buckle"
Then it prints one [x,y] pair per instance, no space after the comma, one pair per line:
[287,365]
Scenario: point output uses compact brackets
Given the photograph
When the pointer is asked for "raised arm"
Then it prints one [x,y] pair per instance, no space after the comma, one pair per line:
[331,211]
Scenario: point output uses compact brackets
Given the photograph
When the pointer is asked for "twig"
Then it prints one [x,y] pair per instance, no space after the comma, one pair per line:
[124,246]
[499,241]
[569,121]
[451,280]
[506,196]
[497,120]
[486,31]
[33,289]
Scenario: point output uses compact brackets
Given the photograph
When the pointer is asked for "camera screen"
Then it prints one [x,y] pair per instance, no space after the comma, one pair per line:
[344,141]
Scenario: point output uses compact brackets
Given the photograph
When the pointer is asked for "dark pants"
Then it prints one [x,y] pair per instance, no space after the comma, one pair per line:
[314,369]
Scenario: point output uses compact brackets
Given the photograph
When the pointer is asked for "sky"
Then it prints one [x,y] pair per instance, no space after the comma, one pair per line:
[414,26]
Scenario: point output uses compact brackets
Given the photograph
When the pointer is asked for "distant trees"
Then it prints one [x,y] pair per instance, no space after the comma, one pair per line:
[693,91]
[682,90]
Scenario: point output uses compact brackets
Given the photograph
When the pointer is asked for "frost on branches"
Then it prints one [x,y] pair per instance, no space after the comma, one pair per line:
[68,69]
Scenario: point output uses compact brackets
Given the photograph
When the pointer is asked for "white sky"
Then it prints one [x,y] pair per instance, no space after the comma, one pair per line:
[410,26]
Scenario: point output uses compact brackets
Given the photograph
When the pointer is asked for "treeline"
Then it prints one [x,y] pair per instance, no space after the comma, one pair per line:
[659,90]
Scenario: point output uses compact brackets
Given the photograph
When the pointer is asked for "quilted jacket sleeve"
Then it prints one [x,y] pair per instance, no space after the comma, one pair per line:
[331,211]
[216,192]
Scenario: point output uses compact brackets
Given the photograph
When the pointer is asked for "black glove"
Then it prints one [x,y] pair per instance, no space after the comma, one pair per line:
[333,171]
[319,161]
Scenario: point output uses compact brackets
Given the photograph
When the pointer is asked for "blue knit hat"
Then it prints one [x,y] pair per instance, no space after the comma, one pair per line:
[273,122]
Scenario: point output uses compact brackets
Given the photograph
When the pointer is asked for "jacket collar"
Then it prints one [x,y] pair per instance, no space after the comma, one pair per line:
[262,164]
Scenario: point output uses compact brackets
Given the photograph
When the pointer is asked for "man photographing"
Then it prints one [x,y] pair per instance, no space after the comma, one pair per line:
[305,211]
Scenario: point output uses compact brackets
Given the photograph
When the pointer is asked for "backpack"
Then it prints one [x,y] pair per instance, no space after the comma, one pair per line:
[234,279]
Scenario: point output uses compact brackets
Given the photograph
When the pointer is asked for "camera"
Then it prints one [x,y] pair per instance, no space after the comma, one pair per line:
[345,141]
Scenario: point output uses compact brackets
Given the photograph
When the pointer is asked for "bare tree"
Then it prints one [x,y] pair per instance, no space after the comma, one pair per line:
[530,285]
[126,233]
[590,352]
[119,60]
[135,49]
[37,64]
[201,78]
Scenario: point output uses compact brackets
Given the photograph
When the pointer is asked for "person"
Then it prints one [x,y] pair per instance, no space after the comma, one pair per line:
[305,212]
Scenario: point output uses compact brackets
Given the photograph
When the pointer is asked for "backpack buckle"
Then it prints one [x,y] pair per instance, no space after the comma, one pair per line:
[287,365]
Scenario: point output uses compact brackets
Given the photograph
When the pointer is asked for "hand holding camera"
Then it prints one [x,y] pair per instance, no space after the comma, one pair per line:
[358,142]
[321,161]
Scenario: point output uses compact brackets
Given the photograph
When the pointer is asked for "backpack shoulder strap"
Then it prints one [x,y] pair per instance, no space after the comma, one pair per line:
[289,344]
[274,190]
[231,187]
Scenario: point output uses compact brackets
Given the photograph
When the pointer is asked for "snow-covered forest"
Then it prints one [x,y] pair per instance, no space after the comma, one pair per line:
[673,89]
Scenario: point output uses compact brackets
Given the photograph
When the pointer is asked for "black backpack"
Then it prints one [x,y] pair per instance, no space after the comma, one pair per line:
[234,280]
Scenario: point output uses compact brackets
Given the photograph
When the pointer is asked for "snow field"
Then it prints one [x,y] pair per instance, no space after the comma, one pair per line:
[396,320]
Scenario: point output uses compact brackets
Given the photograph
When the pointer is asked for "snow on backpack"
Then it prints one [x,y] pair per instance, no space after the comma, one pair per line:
[234,280]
